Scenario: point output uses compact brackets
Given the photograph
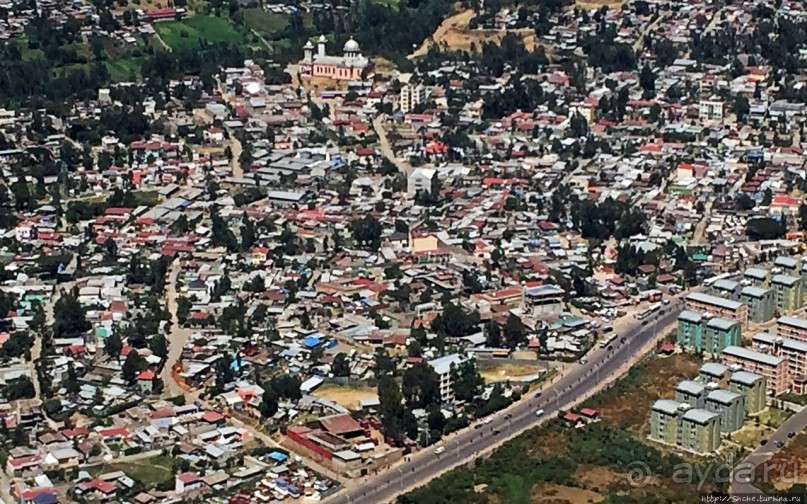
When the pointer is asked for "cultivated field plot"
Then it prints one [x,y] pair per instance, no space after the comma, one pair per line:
[188,32]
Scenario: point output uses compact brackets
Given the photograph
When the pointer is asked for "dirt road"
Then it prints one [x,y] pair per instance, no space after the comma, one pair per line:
[178,335]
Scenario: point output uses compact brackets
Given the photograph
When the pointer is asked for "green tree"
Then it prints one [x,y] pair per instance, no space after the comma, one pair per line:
[421,386]
[132,366]
[515,333]
[341,365]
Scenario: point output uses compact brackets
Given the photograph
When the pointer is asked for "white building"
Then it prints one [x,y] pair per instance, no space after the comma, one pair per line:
[412,95]
[442,367]
[710,110]
[422,179]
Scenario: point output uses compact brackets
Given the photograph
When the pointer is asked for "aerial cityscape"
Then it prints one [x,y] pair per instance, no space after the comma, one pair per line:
[403,251]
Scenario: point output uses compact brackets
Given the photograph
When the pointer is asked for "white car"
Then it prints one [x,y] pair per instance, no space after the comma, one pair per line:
[539,413]
[487,420]
[439,450]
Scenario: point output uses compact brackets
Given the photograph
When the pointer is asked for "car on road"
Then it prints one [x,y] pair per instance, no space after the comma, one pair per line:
[791,434]
[582,360]
[780,444]
[763,442]
[496,432]
[622,339]
[508,416]
[537,395]
[439,450]
[644,322]
[610,347]
[665,301]
[539,413]
[478,426]
[487,420]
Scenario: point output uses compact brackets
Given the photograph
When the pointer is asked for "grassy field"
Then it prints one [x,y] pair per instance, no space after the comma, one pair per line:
[266,23]
[346,396]
[188,32]
[122,69]
[149,472]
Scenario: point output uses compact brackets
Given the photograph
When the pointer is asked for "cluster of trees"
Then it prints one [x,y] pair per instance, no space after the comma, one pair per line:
[609,218]
[455,321]
[517,95]
[605,53]
[512,334]
[69,317]
[367,232]
[150,273]
[279,387]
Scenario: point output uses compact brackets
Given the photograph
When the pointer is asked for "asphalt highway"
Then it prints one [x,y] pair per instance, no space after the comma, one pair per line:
[465,445]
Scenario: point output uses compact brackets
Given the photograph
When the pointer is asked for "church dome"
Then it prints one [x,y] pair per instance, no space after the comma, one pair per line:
[351,46]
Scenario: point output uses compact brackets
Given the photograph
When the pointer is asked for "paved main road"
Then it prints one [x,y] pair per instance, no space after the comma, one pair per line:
[466,445]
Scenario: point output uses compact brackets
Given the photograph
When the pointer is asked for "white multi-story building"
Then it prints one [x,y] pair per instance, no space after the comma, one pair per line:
[442,367]
[411,96]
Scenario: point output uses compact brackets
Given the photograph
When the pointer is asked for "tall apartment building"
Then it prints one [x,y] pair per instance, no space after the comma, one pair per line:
[752,386]
[792,328]
[720,333]
[794,351]
[773,368]
[761,303]
[442,367]
[411,96]
[690,392]
[717,306]
[729,289]
[788,293]
[708,334]
[664,420]
[699,431]
[759,277]
[730,406]
[690,329]
[789,265]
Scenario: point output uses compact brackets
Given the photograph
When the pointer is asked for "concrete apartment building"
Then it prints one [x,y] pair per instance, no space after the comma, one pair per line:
[761,303]
[442,367]
[774,369]
[725,288]
[699,431]
[791,328]
[708,334]
[692,429]
[664,420]
[543,300]
[788,265]
[788,293]
[720,333]
[752,386]
[717,306]
[690,329]
[713,372]
[759,277]
[690,392]
[794,351]
[730,406]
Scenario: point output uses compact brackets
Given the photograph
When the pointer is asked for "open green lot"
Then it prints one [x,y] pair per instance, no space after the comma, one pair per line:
[266,23]
[188,32]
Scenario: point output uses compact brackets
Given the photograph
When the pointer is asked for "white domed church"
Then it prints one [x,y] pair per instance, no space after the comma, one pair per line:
[349,66]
